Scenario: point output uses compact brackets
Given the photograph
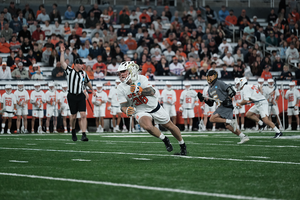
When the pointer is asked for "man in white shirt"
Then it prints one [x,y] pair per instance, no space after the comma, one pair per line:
[249,31]
[176,68]
[99,102]
[292,53]
[114,106]
[37,99]
[51,97]
[112,69]
[64,106]
[168,99]
[43,16]
[169,54]
[133,16]
[228,59]
[22,99]
[215,58]
[224,45]
[5,72]
[293,97]
[8,108]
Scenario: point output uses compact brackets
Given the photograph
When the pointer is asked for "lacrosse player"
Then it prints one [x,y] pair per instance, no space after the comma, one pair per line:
[252,93]
[157,95]
[114,106]
[137,98]
[168,99]
[64,106]
[99,102]
[8,107]
[207,111]
[51,97]
[272,95]
[188,101]
[239,110]
[221,94]
[22,99]
[293,96]
[37,99]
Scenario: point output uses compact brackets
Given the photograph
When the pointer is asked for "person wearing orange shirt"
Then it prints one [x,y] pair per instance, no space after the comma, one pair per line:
[147,67]
[15,45]
[189,64]
[54,39]
[4,46]
[101,64]
[144,14]
[89,72]
[266,74]
[230,19]
[170,39]
[131,43]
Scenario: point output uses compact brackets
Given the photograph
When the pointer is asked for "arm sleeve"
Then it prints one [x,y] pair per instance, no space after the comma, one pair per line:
[68,70]
[223,86]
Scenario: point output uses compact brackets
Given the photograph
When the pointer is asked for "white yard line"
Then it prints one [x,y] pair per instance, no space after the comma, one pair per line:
[157,155]
[258,157]
[30,144]
[18,161]
[71,143]
[142,187]
[141,159]
[81,160]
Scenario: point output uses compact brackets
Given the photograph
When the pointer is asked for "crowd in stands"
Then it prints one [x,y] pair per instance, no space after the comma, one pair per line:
[163,44]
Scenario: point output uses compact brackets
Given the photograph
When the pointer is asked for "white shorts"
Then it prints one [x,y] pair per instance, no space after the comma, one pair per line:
[240,110]
[5,114]
[261,108]
[292,111]
[22,110]
[99,111]
[65,112]
[188,113]
[78,114]
[160,116]
[273,110]
[51,112]
[38,113]
[170,109]
[209,110]
[115,110]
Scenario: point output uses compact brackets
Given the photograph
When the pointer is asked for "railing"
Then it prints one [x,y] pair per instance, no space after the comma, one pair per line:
[204,2]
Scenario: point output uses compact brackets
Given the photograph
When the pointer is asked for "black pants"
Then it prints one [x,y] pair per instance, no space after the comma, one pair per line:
[76,103]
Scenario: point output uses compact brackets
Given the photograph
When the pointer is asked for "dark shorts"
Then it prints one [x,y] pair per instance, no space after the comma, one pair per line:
[226,113]
[76,103]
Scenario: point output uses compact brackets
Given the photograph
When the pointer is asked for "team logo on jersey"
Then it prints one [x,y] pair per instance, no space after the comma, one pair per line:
[216,86]
[139,84]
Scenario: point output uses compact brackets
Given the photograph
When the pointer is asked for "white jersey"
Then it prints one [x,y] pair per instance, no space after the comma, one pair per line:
[63,100]
[113,97]
[168,96]
[21,97]
[38,97]
[188,98]
[205,91]
[252,93]
[8,101]
[292,96]
[238,97]
[100,96]
[52,97]
[140,102]
[157,93]
[267,93]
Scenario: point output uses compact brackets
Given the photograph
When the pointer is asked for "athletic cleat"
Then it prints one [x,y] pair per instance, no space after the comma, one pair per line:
[262,127]
[2,132]
[18,132]
[234,125]
[270,129]
[203,129]
[243,140]
[213,129]
[117,129]
[47,131]
[242,129]
[254,128]
[55,132]
[8,132]
[183,151]
[143,130]
[168,144]
[298,128]
[277,135]
[289,129]
[74,137]
[84,138]
[186,130]
[80,131]
[101,130]
[65,131]
[26,131]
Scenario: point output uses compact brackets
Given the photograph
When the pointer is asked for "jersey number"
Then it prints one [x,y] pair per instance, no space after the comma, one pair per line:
[140,100]
[255,88]
[66,101]
[7,102]
[291,98]
[238,97]
[188,100]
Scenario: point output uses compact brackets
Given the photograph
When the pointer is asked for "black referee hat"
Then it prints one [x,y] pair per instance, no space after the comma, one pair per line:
[78,61]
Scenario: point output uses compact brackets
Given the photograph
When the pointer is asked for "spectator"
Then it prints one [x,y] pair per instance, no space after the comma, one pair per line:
[230,19]
[286,74]
[223,13]
[81,10]
[272,17]
[238,55]
[39,11]
[176,68]
[83,52]
[36,34]
[10,59]
[55,16]
[112,69]
[167,12]
[12,9]
[85,38]
[122,32]
[131,43]
[46,54]
[260,35]
[80,20]
[43,17]
[98,74]
[148,67]
[100,64]
[5,71]
[225,74]
[117,53]
[24,33]
[123,46]
[190,63]
[58,73]
[228,59]
[20,72]
[30,19]
[4,46]
[30,57]
[7,32]
[292,53]
[27,10]
[54,58]
[133,16]
[89,72]
[255,23]
[192,73]
[278,64]
[37,54]
[78,30]
[95,50]
[22,19]
[15,25]
[169,54]
[7,15]
[96,11]
[271,39]
[124,18]
[210,16]
[266,74]
[26,46]
[236,73]
[91,21]
[114,19]
[224,45]
[38,75]
[105,16]
[256,69]
[69,14]
[240,20]
[215,58]
[190,24]
[249,31]
[162,68]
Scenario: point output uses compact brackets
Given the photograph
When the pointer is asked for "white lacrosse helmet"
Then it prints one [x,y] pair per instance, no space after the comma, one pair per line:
[260,81]
[20,86]
[64,87]
[37,87]
[132,69]
[99,85]
[270,82]
[292,85]
[187,84]
[51,84]
[240,82]
[8,89]
[169,85]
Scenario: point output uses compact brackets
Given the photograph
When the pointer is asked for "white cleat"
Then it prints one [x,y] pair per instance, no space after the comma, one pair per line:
[80,131]
[47,131]
[298,128]
[65,131]
[289,129]
[2,132]
[243,129]
[135,131]
[243,140]
[186,130]
[270,129]
[101,130]
[55,132]
[26,131]
[143,130]
[8,132]
[214,128]
[117,129]
[255,128]
[234,125]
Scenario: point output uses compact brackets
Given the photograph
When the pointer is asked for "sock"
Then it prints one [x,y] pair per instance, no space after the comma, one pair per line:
[260,122]
[18,130]
[181,142]
[228,121]
[54,129]
[3,125]
[242,125]
[185,127]
[242,135]
[276,129]
[73,131]
[214,126]
[256,126]
[290,126]
[8,130]
[190,127]
[298,126]
[65,128]
[162,136]
[47,128]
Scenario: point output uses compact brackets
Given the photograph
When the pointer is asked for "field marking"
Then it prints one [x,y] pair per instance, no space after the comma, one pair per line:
[137,142]
[30,144]
[81,160]
[157,155]
[71,143]
[142,187]
[258,157]
[141,159]
[18,161]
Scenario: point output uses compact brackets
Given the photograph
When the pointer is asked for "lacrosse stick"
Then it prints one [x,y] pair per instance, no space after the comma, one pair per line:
[133,71]
[282,96]
[124,126]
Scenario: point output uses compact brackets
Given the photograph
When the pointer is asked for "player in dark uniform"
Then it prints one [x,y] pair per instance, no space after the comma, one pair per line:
[222,93]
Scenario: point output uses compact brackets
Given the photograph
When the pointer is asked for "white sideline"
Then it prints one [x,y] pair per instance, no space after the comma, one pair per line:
[159,155]
[135,186]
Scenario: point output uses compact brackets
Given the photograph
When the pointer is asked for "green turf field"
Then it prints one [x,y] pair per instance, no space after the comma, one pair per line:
[137,166]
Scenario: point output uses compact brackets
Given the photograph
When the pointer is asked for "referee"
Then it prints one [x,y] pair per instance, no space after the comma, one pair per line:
[77,79]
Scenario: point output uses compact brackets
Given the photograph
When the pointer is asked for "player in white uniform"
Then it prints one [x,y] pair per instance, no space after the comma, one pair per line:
[239,110]
[8,108]
[114,106]
[64,106]
[207,111]
[51,97]
[188,101]
[99,102]
[157,95]
[272,95]
[293,97]
[137,98]
[37,99]
[22,99]
[168,98]
[261,87]
[252,93]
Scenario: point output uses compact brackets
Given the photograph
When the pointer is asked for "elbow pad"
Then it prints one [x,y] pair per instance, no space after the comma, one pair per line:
[230,91]
[209,102]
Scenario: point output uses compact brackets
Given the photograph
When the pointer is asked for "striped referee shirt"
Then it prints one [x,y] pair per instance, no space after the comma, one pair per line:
[76,80]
